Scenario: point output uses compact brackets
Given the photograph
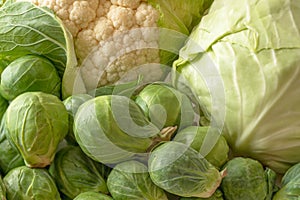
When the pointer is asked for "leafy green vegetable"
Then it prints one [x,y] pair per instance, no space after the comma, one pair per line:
[29,29]
[10,157]
[154,99]
[92,196]
[242,64]
[29,73]
[75,173]
[218,195]
[3,106]
[2,190]
[199,138]
[181,170]
[131,180]
[36,123]
[72,104]
[245,179]
[290,184]
[24,183]
[112,128]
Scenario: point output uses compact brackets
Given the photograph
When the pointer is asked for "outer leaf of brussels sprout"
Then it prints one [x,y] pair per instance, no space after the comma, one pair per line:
[196,136]
[245,179]
[24,183]
[36,124]
[92,196]
[165,106]
[2,189]
[181,170]
[271,177]
[72,104]
[112,128]
[75,173]
[131,180]
[290,183]
[218,195]
[30,73]
[9,154]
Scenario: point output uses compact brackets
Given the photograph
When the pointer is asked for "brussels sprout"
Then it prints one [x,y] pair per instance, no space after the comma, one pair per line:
[165,106]
[181,170]
[29,73]
[218,195]
[245,179]
[2,189]
[36,123]
[9,154]
[24,183]
[92,196]
[111,129]
[207,141]
[75,173]
[290,184]
[131,180]
[72,104]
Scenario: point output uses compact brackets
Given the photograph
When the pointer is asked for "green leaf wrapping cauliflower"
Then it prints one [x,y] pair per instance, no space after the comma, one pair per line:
[242,63]
[36,122]
[120,39]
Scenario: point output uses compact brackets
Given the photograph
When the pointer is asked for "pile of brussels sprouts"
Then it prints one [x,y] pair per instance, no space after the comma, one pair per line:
[141,142]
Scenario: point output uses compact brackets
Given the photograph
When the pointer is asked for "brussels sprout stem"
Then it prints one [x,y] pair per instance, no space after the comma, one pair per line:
[164,136]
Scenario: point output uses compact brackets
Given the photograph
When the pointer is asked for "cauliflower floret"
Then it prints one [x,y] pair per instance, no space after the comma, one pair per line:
[107,39]
[133,4]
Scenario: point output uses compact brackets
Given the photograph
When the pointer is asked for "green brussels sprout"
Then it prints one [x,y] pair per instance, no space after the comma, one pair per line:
[72,104]
[131,180]
[245,179]
[181,170]
[75,173]
[112,128]
[165,106]
[218,195]
[29,73]
[37,122]
[290,184]
[2,189]
[24,183]
[10,157]
[92,196]
[207,141]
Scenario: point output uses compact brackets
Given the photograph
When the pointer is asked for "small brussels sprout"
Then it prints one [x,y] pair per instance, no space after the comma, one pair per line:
[207,141]
[72,104]
[290,184]
[181,170]
[111,129]
[245,179]
[218,195]
[9,154]
[2,189]
[165,106]
[75,173]
[92,196]
[24,183]
[29,73]
[131,180]
[37,122]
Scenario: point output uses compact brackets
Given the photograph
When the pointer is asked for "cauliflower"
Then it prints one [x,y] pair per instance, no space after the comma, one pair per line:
[117,39]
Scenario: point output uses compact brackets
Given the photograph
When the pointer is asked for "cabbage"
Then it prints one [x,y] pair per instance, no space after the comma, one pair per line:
[242,63]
